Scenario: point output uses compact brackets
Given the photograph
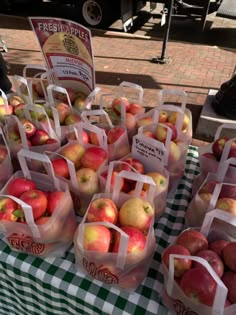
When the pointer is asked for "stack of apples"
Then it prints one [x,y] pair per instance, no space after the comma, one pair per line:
[192,277]
[101,230]
[52,212]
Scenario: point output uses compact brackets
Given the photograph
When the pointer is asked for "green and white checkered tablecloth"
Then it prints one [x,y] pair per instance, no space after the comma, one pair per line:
[52,286]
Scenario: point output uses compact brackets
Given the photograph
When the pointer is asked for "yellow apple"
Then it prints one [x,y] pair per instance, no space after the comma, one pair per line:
[74,153]
[159,179]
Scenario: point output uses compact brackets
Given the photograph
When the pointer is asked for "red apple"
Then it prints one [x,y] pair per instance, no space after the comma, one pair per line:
[97,238]
[161,131]
[145,121]
[137,240]
[159,179]
[102,209]
[229,279]
[113,178]
[40,86]
[63,110]
[114,134]
[149,134]
[87,180]
[209,155]
[60,167]
[135,108]
[163,116]
[217,246]
[17,186]
[199,286]
[226,204]
[29,127]
[130,121]
[73,152]
[93,137]
[118,102]
[218,146]
[72,119]
[40,137]
[50,141]
[94,157]
[37,200]
[193,240]
[213,259]
[9,210]
[136,212]
[3,153]
[5,111]
[208,187]
[18,109]
[54,199]
[229,256]
[71,93]
[180,265]
[228,191]
[132,163]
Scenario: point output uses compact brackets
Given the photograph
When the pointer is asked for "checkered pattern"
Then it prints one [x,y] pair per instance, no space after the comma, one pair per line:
[52,286]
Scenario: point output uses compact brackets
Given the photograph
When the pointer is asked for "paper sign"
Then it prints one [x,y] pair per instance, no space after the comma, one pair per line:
[67,49]
[147,152]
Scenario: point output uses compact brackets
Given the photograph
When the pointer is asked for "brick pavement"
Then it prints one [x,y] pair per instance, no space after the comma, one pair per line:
[195,67]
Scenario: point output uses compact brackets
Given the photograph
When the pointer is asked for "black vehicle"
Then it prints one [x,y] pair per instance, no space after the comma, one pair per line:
[93,13]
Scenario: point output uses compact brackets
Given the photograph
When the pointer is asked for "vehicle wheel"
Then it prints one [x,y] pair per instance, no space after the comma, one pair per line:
[95,13]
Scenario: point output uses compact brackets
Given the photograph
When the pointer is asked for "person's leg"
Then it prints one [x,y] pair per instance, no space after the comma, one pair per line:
[5,83]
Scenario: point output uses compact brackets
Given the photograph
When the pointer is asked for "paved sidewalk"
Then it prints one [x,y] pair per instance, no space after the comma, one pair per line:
[195,67]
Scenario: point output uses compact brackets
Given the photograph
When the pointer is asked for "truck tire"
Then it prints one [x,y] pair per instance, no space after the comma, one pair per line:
[96,13]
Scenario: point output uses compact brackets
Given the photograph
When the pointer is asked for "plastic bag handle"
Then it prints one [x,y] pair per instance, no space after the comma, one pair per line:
[134,86]
[91,97]
[123,245]
[140,178]
[5,100]
[21,130]
[221,290]
[16,78]
[96,112]
[181,93]
[53,87]
[34,66]
[223,126]
[5,142]
[23,154]
[28,214]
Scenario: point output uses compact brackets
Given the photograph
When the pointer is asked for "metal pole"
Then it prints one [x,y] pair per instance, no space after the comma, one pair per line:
[162,59]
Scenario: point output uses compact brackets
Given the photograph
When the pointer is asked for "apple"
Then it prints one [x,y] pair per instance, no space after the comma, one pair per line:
[130,121]
[149,134]
[193,240]
[113,178]
[114,134]
[136,212]
[159,179]
[163,116]
[73,152]
[199,286]
[208,187]
[174,153]
[18,185]
[145,121]
[172,117]
[54,198]
[180,265]
[63,97]
[229,280]
[229,257]
[218,146]
[226,204]
[72,119]
[130,164]
[135,108]
[15,100]
[97,238]
[217,246]
[209,155]
[79,102]
[39,137]
[18,109]
[60,167]
[5,111]
[143,193]
[118,102]
[137,240]
[3,153]
[50,141]
[93,137]
[9,210]
[94,157]
[63,110]
[37,115]
[28,126]
[38,87]
[102,209]
[228,191]
[87,180]
[37,200]
[161,131]
[213,259]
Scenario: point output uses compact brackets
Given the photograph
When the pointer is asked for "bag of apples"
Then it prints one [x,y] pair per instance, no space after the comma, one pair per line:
[6,167]
[86,159]
[32,135]
[211,155]
[116,137]
[160,176]
[199,268]
[37,215]
[216,190]
[156,145]
[124,105]
[123,243]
